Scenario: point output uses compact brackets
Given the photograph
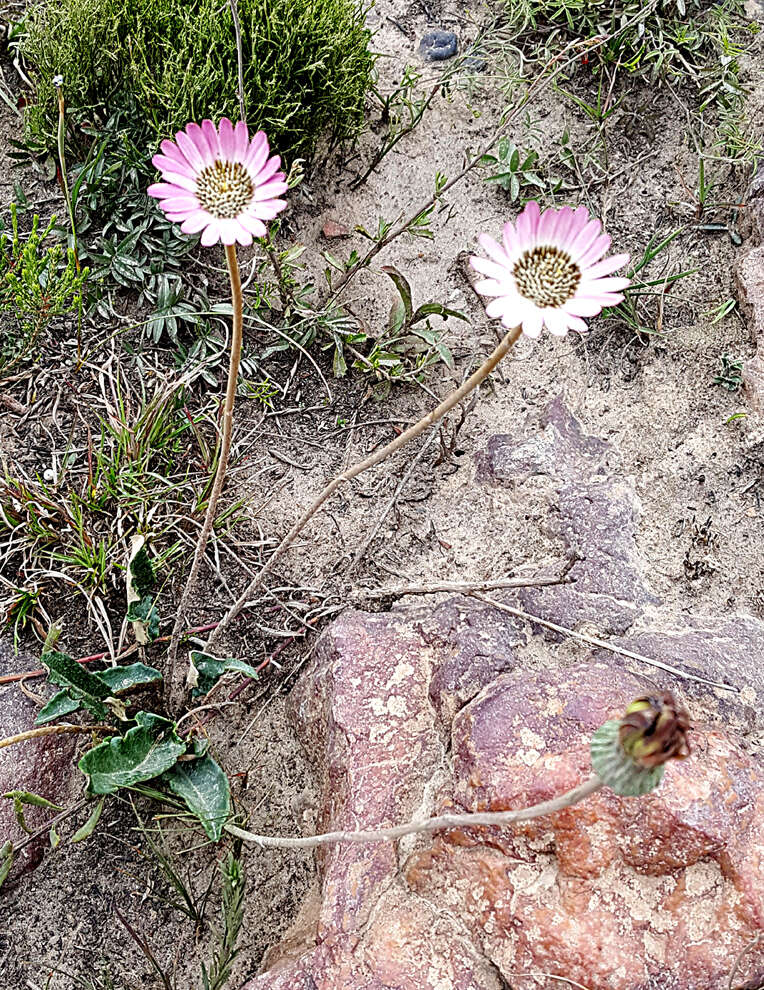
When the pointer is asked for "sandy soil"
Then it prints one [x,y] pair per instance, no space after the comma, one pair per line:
[653,400]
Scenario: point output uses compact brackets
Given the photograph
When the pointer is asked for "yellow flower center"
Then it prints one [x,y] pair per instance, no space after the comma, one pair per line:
[547,276]
[224,189]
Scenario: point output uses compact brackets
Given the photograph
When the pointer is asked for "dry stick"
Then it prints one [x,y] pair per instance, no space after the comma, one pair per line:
[239,56]
[376,458]
[601,643]
[51,730]
[461,587]
[174,679]
[479,818]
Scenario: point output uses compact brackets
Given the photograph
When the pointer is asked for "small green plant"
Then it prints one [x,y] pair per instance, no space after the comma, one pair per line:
[512,169]
[306,66]
[730,375]
[38,283]
[232,910]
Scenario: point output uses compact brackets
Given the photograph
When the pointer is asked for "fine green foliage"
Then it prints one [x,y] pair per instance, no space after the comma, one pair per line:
[513,169]
[662,39]
[38,282]
[232,910]
[307,65]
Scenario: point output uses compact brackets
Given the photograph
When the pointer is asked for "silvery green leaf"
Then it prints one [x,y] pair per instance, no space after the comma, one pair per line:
[204,788]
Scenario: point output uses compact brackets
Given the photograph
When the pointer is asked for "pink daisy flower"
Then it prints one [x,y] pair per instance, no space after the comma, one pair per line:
[219,182]
[548,271]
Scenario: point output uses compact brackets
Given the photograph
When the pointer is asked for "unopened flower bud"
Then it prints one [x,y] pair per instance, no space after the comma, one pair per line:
[654,730]
[629,754]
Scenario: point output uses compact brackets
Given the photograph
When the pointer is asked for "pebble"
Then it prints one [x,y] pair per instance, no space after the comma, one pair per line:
[438,45]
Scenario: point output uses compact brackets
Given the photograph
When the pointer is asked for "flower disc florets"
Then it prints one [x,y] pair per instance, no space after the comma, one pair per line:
[547,271]
[219,182]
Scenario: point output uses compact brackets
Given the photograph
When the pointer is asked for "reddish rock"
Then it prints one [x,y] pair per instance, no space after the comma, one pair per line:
[750,281]
[662,891]
[43,766]
[593,516]
[332,230]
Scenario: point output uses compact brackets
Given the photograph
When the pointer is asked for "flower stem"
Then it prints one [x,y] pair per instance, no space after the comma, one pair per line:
[436,414]
[480,819]
[175,677]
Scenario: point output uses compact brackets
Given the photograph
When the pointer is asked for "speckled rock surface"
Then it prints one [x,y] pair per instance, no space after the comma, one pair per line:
[43,765]
[594,515]
[422,709]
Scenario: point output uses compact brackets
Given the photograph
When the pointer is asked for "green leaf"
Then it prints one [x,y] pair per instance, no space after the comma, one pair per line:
[141,570]
[62,703]
[54,837]
[6,861]
[145,618]
[87,829]
[67,673]
[403,287]
[144,752]
[436,309]
[124,678]
[397,317]
[209,670]
[20,798]
[204,788]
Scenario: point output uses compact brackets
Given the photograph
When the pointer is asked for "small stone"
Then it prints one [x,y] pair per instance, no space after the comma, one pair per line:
[332,230]
[438,45]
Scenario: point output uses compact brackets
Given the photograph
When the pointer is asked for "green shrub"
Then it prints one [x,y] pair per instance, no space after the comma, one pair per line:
[675,39]
[38,283]
[307,65]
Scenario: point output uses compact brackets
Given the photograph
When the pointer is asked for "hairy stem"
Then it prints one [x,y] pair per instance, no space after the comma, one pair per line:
[376,458]
[175,676]
[480,819]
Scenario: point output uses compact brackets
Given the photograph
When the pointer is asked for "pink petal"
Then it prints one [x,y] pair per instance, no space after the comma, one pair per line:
[510,238]
[210,133]
[595,252]
[564,221]
[493,250]
[179,187]
[599,285]
[271,190]
[546,226]
[211,233]
[490,287]
[533,324]
[199,140]
[170,167]
[490,268]
[605,267]
[240,141]
[556,321]
[270,209]
[225,134]
[228,228]
[253,224]
[496,308]
[258,153]
[268,170]
[171,150]
[585,238]
[576,323]
[183,201]
[195,222]
[527,224]
[580,306]
[190,150]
